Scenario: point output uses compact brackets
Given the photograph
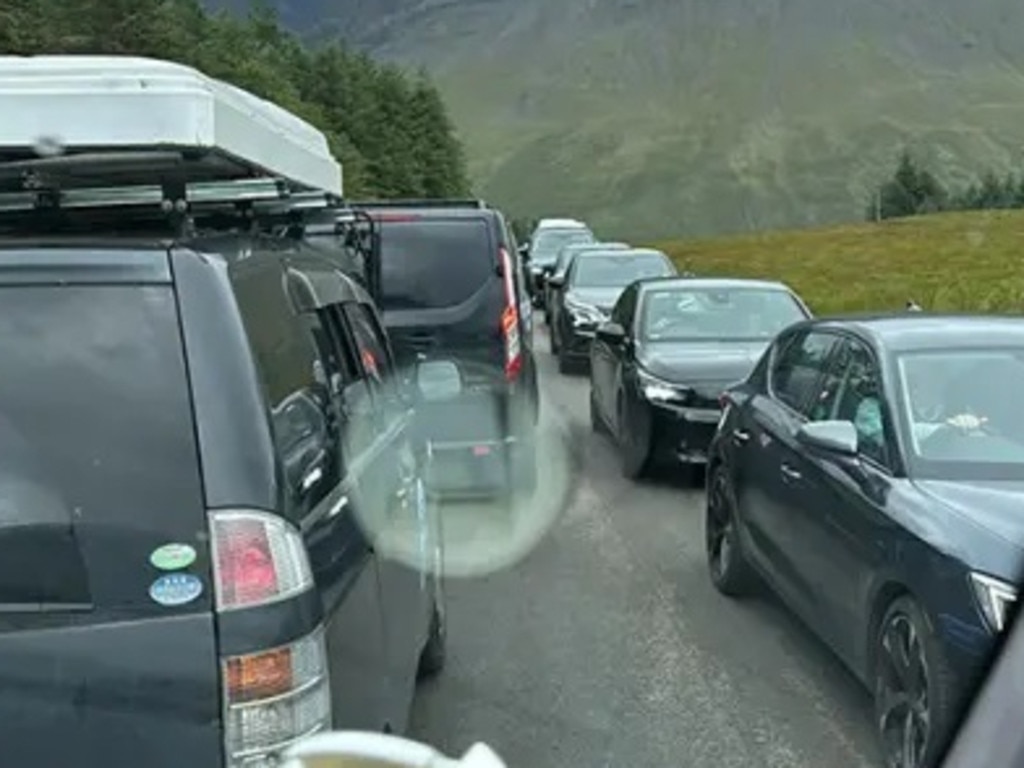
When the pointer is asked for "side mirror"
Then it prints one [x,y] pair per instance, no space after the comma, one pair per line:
[524,251]
[610,332]
[438,380]
[839,437]
[358,749]
[556,281]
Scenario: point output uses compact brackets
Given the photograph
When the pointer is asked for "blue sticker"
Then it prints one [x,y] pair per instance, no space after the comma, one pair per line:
[176,589]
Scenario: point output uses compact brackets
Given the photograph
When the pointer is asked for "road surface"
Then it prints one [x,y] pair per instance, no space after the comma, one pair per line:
[606,645]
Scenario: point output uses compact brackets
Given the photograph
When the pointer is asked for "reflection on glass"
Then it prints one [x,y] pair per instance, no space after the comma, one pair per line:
[961,405]
[617,271]
[721,314]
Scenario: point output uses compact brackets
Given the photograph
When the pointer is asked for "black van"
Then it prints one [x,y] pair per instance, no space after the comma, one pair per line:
[197,436]
[452,287]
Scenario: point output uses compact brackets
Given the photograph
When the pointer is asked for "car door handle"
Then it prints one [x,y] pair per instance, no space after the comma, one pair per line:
[790,474]
[740,436]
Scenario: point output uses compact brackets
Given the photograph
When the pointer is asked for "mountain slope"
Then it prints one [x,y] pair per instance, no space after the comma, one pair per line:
[660,117]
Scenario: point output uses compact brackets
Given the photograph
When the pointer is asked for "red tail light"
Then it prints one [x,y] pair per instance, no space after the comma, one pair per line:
[258,559]
[510,320]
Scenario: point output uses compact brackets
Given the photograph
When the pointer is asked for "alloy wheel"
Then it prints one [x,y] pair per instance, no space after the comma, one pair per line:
[901,693]
[720,529]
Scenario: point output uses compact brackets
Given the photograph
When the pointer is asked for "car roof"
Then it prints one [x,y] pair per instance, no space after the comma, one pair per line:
[560,224]
[910,331]
[680,281]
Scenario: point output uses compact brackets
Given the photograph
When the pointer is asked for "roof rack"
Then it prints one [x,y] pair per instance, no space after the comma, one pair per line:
[421,203]
[93,135]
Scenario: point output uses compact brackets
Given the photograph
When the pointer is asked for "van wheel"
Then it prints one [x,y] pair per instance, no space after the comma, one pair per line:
[564,363]
[524,470]
[553,339]
[434,653]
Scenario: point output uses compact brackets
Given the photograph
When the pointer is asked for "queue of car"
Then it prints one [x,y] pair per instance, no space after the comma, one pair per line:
[869,470]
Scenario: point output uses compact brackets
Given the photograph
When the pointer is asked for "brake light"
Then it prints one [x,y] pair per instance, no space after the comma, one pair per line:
[510,319]
[258,558]
[277,696]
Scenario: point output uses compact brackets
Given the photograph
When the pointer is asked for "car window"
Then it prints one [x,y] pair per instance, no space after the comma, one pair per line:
[850,391]
[434,263]
[548,242]
[625,309]
[718,313]
[617,270]
[302,371]
[797,366]
[97,439]
[372,348]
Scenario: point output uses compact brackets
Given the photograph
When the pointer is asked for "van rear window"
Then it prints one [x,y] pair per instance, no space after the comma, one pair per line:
[434,263]
[98,464]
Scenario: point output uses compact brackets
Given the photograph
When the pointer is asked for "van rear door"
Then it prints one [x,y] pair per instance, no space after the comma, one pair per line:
[102,662]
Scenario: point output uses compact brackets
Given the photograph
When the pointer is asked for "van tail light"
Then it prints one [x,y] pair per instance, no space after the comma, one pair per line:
[272,697]
[510,320]
[258,558]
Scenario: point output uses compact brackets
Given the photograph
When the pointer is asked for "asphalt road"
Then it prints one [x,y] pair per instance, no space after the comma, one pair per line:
[601,641]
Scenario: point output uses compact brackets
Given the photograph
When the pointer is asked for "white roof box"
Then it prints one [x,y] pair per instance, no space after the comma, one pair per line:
[97,104]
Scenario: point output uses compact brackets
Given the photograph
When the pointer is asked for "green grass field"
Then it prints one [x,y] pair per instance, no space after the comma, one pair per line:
[970,261]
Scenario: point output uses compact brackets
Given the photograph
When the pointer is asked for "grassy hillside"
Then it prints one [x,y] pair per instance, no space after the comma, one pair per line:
[654,118]
[960,261]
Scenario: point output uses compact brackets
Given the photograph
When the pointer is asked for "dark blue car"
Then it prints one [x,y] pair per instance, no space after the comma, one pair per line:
[871,470]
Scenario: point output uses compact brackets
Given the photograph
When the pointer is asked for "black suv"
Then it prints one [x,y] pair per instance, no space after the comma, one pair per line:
[199,435]
[452,287]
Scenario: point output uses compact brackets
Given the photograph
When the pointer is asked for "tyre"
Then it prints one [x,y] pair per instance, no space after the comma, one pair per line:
[914,689]
[595,418]
[564,363]
[553,339]
[523,469]
[727,562]
[435,651]
[634,440]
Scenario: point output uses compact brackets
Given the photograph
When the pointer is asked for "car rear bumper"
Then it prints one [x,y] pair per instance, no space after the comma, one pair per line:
[684,434]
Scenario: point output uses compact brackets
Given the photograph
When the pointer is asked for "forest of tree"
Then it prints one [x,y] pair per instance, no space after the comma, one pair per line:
[913,190]
[390,129]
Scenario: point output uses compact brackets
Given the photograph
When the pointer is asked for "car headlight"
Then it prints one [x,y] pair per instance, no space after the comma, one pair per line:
[583,313]
[995,597]
[659,391]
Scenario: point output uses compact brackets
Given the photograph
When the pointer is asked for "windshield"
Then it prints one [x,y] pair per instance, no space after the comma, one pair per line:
[618,270]
[724,314]
[434,263]
[962,411]
[545,247]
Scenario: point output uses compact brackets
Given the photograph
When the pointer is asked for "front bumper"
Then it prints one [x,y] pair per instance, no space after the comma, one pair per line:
[683,434]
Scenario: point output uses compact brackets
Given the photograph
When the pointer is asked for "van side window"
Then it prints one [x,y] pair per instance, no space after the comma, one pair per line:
[372,346]
[296,377]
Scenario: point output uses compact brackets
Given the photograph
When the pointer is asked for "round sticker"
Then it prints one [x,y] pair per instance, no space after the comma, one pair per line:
[173,557]
[176,589]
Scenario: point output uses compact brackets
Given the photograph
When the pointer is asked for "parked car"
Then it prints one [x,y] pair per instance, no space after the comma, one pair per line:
[201,437]
[546,241]
[870,470]
[669,349]
[561,265]
[452,288]
[590,288]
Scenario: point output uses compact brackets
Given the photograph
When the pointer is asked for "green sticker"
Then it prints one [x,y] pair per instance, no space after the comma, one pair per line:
[173,557]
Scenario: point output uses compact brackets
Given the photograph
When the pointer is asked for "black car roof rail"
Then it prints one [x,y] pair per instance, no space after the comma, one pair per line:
[421,203]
